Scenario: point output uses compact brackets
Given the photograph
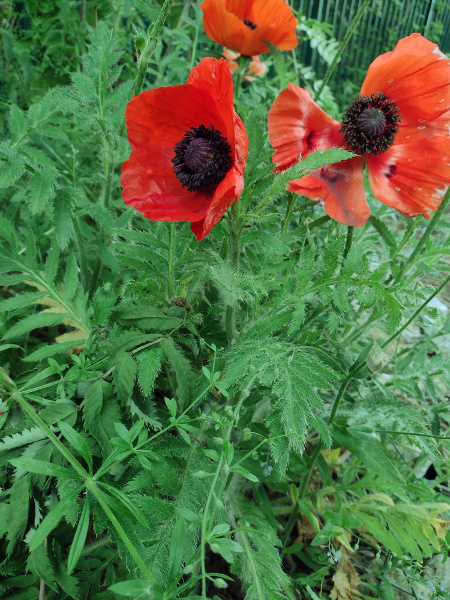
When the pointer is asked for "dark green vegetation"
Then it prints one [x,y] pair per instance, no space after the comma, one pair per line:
[178,417]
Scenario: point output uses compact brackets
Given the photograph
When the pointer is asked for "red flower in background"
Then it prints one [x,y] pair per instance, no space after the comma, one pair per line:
[189,150]
[399,124]
[243,25]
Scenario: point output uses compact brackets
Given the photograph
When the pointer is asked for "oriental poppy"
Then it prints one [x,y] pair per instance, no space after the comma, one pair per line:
[244,25]
[399,125]
[189,150]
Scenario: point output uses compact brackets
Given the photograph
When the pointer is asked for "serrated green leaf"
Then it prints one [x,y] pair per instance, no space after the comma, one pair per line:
[379,532]
[124,375]
[17,123]
[70,278]
[149,364]
[126,502]
[62,218]
[52,519]
[18,512]
[43,468]
[368,452]
[20,301]
[100,411]
[36,321]
[41,189]
[79,538]
[77,441]
[10,171]
[177,546]
[50,350]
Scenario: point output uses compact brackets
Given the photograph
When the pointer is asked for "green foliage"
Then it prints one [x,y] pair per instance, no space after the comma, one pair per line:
[179,417]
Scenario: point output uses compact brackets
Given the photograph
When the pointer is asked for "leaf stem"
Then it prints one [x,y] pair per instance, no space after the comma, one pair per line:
[29,410]
[235,251]
[348,241]
[289,211]
[342,46]
[170,279]
[205,519]
[117,526]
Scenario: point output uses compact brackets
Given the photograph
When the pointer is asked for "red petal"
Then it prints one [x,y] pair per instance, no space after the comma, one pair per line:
[298,126]
[416,75]
[214,76]
[341,187]
[277,24]
[156,121]
[228,191]
[413,175]
[223,22]
[224,27]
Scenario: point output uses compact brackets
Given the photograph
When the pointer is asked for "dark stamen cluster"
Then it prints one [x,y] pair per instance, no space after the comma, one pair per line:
[250,24]
[202,158]
[370,123]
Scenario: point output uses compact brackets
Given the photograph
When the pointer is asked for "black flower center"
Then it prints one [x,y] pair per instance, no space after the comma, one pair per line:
[202,158]
[250,24]
[370,123]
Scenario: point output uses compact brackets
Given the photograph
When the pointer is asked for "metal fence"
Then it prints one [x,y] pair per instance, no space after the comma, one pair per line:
[383,24]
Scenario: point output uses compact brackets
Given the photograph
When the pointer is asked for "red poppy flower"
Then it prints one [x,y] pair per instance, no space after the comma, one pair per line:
[399,124]
[189,150]
[244,25]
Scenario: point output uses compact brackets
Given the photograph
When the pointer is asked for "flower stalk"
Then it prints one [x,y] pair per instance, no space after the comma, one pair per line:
[150,45]
[235,251]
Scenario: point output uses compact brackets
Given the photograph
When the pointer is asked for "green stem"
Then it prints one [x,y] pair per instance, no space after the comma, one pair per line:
[205,522]
[194,43]
[235,251]
[405,238]
[81,254]
[348,244]
[170,278]
[342,46]
[290,210]
[29,410]
[109,173]
[117,526]
[149,48]
[424,238]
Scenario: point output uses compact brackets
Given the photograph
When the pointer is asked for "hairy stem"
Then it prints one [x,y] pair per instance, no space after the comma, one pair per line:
[348,244]
[150,45]
[170,279]
[235,251]
[289,211]
[117,526]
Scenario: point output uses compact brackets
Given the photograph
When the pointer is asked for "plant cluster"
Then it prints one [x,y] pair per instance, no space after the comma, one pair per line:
[211,385]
